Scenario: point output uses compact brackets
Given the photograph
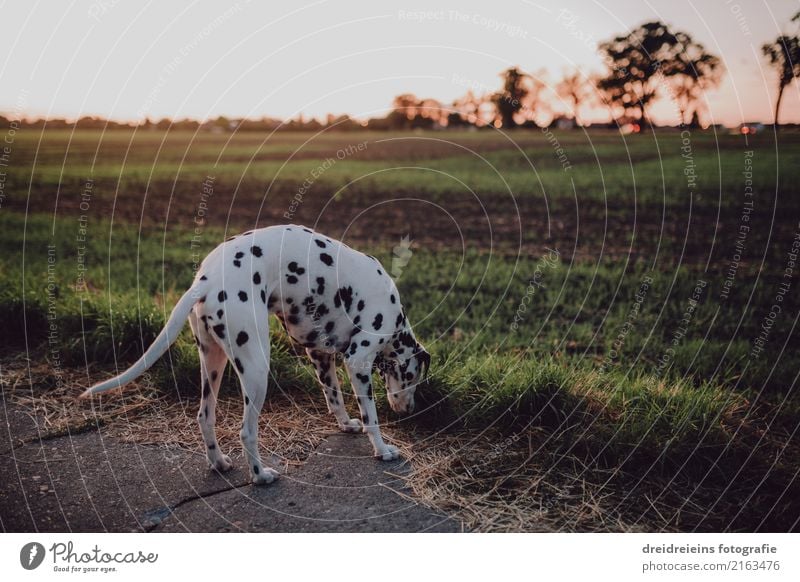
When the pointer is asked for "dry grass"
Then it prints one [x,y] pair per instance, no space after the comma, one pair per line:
[296,423]
[488,481]
[492,488]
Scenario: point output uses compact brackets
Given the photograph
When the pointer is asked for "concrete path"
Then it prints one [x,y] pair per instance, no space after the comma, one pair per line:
[91,482]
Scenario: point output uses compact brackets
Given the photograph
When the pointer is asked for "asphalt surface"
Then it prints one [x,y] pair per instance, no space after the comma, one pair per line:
[91,482]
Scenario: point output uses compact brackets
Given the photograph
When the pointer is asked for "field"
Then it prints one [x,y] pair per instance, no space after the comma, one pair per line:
[612,318]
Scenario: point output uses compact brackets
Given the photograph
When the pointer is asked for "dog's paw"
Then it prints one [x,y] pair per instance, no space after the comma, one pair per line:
[265,476]
[352,425]
[388,453]
[222,464]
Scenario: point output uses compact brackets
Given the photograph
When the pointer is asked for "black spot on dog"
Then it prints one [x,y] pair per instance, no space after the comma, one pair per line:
[377,323]
[206,389]
[214,375]
[370,393]
[271,302]
[294,268]
[203,278]
[256,279]
[294,310]
[291,279]
[309,231]
[242,338]
[329,326]
[365,419]
[363,378]
[212,446]
[238,255]
[256,251]
[237,263]
[293,319]
[353,348]
[344,296]
[365,343]
[238,364]
[319,243]
[406,339]
[289,300]
[380,272]
[312,336]
[255,469]
[320,285]
[242,296]
[360,305]
[326,258]
[321,311]
[392,298]
[399,320]
[246,400]
[203,299]
[220,313]
[220,330]
[222,296]
[263,296]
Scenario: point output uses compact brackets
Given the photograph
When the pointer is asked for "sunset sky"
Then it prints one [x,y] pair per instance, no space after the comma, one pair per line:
[129,60]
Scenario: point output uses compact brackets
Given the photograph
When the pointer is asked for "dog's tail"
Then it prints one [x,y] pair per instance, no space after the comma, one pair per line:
[165,339]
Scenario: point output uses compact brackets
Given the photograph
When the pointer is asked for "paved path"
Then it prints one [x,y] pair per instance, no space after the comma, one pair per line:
[91,482]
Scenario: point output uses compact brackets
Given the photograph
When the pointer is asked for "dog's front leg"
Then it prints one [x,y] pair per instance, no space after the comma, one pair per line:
[325,366]
[360,372]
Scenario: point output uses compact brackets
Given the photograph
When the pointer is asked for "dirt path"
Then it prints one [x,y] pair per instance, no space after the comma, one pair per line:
[95,482]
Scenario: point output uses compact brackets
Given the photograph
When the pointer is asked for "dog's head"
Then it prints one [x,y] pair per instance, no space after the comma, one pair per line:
[401,373]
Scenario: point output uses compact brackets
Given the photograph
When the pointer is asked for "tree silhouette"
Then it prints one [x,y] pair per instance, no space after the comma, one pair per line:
[636,63]
[576,89]
[696,71]
[784,55]
[469,107]
[406,104]
[509,101]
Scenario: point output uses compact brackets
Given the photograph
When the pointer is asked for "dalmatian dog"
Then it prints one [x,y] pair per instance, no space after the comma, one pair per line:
[330,298]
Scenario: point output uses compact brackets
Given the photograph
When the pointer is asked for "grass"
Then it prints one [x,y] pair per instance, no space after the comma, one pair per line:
[552,370]
[597,352]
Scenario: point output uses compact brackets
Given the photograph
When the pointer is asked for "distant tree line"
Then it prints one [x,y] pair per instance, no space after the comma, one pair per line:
[648,63]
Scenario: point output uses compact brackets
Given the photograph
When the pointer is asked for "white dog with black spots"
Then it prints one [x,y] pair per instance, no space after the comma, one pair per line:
[330,298]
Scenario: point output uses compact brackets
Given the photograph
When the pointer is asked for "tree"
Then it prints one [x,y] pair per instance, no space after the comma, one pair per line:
[406,104]
[784,55]
[636,63]
[470,108]
[576,89]
[509,101]
[696,72]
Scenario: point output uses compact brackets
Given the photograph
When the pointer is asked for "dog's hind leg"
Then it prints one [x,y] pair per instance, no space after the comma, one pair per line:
[249,351]
[325,366]
[212,365]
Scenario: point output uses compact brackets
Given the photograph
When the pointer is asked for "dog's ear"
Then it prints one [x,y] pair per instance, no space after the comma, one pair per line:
[424,359]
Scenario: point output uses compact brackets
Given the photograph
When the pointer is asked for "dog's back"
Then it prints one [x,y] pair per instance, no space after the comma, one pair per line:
[324,292]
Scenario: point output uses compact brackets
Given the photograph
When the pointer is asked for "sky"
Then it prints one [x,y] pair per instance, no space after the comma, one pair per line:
[129,60]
